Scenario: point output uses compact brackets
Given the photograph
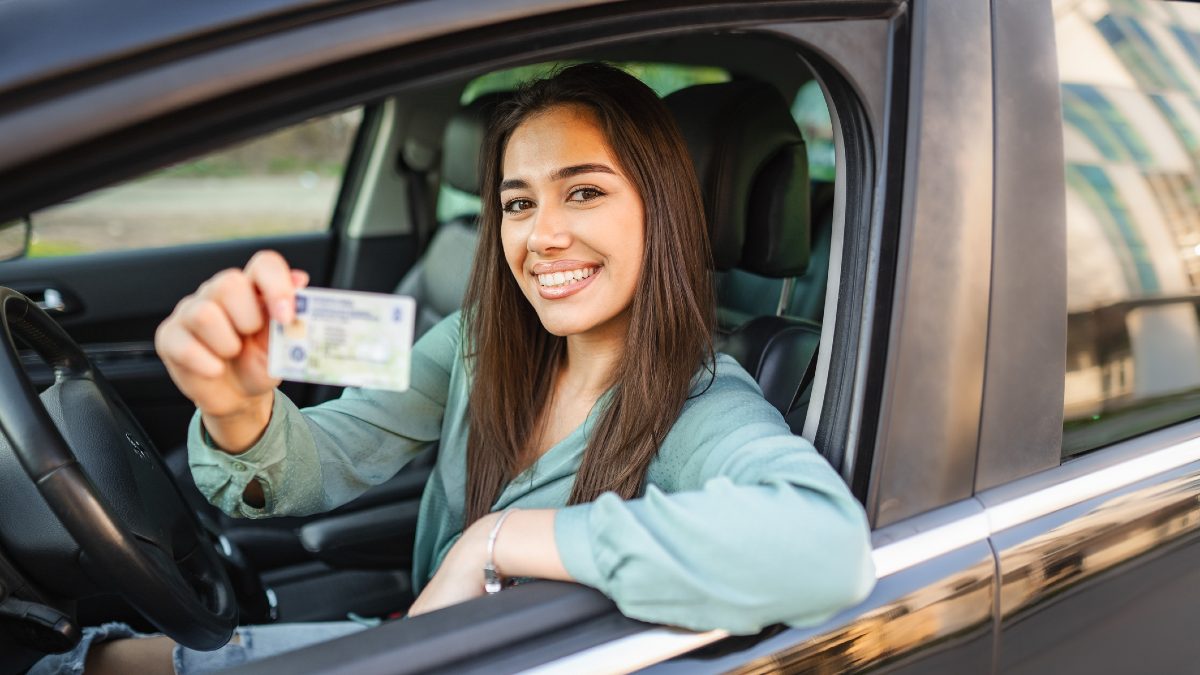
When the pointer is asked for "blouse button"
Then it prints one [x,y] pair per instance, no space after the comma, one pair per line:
[238,466]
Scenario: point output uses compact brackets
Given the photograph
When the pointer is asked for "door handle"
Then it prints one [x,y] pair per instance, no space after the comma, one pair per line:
[52,301]
[50,296]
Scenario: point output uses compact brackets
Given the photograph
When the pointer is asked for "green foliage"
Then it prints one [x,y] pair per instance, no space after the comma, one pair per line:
[663,78]
[49,248]
[812,115]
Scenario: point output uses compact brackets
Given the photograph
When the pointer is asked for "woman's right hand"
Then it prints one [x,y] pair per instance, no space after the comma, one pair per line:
[214,345]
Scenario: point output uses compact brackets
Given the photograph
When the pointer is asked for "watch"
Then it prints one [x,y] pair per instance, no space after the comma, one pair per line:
[492,581]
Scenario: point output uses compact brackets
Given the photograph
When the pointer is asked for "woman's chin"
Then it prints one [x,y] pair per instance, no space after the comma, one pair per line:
[563,326]
[567,322]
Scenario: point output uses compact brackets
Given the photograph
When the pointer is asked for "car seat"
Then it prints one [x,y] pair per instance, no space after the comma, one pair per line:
[438,280]
[753,165]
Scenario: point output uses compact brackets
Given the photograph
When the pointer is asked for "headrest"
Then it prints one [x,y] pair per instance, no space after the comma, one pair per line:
[753,170]
[463,142]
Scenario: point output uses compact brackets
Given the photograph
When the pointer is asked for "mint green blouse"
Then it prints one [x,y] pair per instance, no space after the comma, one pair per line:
[742,524]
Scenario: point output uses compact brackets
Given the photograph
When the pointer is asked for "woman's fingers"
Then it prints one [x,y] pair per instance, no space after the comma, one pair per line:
[181,350]
[270,274]
[208,322]
[299,279]
[214,342]
[234,292]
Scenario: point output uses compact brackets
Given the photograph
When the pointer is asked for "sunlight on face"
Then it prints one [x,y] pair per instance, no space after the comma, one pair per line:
[573,224]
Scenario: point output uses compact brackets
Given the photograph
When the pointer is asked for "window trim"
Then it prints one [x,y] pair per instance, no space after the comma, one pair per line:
[1021,426]
[931,387]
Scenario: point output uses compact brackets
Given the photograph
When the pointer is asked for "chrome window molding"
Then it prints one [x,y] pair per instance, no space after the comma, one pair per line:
[926,545]
[631,652]
[1042,502]
[1031,503]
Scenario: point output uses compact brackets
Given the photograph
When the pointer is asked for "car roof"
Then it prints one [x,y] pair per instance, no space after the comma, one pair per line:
[45,39]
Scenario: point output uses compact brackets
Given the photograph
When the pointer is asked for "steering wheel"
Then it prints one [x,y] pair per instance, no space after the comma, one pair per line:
[101,477]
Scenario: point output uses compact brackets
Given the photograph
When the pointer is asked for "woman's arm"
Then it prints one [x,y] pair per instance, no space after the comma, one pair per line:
[525,547]
[312,460]
[743,525]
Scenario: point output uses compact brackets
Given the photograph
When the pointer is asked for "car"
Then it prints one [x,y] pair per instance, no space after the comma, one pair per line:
[987,319]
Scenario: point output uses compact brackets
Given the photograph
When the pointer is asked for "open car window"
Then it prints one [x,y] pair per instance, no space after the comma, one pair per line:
[285,182]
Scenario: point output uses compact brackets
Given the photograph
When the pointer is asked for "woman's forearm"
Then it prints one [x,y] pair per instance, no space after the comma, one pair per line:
[525,546]
[236,432]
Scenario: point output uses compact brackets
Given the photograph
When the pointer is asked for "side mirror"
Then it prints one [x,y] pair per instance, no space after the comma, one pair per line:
[14,238]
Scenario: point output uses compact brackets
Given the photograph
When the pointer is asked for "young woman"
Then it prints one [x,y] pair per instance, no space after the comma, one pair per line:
[583,418]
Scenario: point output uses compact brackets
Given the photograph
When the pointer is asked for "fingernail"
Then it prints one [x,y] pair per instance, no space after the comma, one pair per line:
[283,311]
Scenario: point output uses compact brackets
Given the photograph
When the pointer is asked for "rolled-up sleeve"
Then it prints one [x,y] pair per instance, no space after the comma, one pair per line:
[750,527]
[315,459]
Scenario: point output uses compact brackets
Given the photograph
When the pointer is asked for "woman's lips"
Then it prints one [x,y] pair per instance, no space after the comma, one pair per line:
[558,292]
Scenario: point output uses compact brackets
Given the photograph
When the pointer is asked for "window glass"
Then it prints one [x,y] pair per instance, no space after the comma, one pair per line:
[281,183]
[812,114]
[663,78]
[743,294]
[1130,72]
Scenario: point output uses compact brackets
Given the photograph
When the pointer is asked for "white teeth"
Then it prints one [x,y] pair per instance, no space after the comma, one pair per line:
[567,277]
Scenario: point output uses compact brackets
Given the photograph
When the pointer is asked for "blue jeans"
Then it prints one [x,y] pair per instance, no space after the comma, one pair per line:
[253,642]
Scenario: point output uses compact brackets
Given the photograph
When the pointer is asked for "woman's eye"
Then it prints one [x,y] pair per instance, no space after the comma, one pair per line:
[585,194]
[518,205]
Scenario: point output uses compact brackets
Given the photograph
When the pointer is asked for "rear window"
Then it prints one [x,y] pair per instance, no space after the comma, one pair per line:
[1130,74]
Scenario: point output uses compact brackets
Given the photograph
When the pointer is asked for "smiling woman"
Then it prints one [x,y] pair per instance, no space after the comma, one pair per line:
[587,430]
[592,174]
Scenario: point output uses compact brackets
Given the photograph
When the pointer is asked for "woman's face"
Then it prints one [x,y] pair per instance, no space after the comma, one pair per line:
[572,223]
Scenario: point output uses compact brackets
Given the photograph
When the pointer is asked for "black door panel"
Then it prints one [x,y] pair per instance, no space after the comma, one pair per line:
[123,296]
[115,301]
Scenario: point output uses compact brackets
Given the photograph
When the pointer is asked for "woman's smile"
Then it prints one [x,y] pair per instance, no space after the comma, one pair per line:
[563,278]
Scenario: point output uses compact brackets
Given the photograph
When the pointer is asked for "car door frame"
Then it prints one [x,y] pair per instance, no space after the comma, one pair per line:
[1074,538]
[899,357]
[921,578]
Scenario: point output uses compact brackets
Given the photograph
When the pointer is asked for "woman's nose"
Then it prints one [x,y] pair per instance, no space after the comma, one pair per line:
[549,231]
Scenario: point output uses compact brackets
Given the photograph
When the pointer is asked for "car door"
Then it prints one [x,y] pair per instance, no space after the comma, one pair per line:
[1094,517]
[912,94]
[901,377]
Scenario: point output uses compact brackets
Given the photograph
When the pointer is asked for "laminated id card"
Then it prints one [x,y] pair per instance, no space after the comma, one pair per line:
[345,338]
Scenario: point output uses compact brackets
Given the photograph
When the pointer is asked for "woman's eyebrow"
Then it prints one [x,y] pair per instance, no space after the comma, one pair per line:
[568,171]
[558,174]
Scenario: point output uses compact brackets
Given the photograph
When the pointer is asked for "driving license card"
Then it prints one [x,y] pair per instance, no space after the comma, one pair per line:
[345,338]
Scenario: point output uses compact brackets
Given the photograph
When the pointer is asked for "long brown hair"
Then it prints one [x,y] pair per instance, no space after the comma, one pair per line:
[669,337]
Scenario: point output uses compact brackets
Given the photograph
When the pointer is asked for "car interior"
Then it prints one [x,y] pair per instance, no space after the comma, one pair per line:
[771,226]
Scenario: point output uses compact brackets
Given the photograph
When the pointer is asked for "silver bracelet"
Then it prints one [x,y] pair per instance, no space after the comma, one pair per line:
[492,583]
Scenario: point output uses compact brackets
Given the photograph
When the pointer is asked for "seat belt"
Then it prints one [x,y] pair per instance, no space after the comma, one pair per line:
[810,373]
[420,209]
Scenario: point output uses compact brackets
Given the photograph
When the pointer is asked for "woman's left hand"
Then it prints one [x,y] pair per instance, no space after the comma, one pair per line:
[460,576]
